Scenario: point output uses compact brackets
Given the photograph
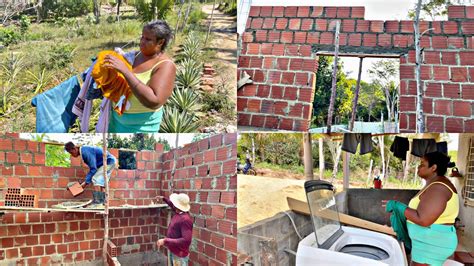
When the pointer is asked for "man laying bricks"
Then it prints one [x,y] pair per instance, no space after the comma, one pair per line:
[180,230]
[93,157]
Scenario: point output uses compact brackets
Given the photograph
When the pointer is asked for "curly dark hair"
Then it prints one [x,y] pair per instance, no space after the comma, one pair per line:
[441,160]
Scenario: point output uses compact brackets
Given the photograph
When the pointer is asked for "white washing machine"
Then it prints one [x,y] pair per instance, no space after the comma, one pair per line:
[333,244]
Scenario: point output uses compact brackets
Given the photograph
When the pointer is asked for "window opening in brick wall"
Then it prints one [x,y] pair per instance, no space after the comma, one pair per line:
[57,156]
[373,113]
[127,160]
[468,191]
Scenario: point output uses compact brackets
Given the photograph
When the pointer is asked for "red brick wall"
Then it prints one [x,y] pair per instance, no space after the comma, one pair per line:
[73,237]
[281,43]
[206,171]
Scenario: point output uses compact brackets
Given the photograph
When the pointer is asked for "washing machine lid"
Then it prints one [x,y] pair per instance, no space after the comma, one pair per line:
[324,214]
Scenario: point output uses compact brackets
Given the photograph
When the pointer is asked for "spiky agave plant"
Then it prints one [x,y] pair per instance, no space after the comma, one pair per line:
[188,74]
[191,48]
[185,99]
[175,121]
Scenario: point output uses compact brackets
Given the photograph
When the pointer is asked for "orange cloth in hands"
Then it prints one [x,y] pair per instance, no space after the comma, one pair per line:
[112,83]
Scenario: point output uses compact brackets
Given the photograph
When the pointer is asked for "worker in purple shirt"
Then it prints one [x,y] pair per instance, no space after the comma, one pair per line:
[180,230]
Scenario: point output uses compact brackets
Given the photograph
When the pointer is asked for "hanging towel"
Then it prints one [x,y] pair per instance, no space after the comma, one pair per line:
[351,140]
[399,147]
[54,107]
[420,147]
[442,147]
[103,123]
[82,106]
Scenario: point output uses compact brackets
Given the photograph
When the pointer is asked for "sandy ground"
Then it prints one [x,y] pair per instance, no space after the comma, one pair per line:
[224,28]
[261,197]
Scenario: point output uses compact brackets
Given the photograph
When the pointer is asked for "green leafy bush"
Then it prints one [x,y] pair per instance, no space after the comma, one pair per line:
[66,8]
[57,156]
[24,24]
[60,56]
[9,35]
[146,9]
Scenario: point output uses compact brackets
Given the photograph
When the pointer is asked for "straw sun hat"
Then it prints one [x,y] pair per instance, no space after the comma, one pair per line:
[180,201]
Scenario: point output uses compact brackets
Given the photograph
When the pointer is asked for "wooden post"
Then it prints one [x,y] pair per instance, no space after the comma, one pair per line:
[321,159]
[106,203]
[382,154]
[346,171]
[334,78]
[369,176]
[210,22]
[307,157]
[356,96]
[420,121]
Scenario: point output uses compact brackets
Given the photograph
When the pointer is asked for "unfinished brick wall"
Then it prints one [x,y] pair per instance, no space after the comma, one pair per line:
[281,44]
[206,171]
[64,237]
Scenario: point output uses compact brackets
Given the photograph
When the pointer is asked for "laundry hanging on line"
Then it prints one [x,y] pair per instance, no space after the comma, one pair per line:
[351,141]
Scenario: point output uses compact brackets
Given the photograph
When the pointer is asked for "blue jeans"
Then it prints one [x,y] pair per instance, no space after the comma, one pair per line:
[178,261]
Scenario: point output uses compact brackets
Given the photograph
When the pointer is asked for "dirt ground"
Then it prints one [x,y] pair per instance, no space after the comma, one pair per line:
[224,28]
[260,197]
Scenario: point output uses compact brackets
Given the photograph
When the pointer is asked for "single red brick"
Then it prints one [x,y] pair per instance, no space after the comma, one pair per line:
[321,24]
[441,73]
[407,27]
[454,125]
[254,11]
[286,37]
[278,11]
[355,39]
[288,78]
[377,26]
[348,25]
[331,12]
[12,157]
[459,74]
[384,40]
[467,27]
[286,124]
[433,90]
[261,36]
[317,11]
[281,108]
[305,95]
[439,42]
[271,122]
[456,12]
[363,26]
[295,24]
[431,57]
[253,48]
[435,124]
[425,72]
[443,107]
[450,27]
[300,37]
[407,104]
[451,90]
[326,38]
[462,108]
[303,11]
[455,42]
[343,12]
[265,11]
[392,26]
[400,40]
[290,11]
[407,72]
[448,58]
[307,24]
[427,105]
[281,23]
[277,92]
[291,93]
[466,58]
[256,23]
[357,12]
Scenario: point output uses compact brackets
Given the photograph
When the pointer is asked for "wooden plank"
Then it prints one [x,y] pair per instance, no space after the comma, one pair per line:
[302,207]
[100,211]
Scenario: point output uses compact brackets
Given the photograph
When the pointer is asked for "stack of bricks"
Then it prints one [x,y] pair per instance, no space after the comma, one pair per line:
[205,170]
[16,197]
[112,254]
[280,52]
[207,79]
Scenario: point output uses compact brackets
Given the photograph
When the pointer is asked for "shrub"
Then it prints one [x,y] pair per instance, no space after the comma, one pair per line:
[60,56]
[24,24]
[9,35]
[146,9]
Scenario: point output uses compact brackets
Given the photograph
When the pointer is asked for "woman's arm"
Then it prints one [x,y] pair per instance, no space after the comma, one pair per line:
[159,89]
[432,204]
